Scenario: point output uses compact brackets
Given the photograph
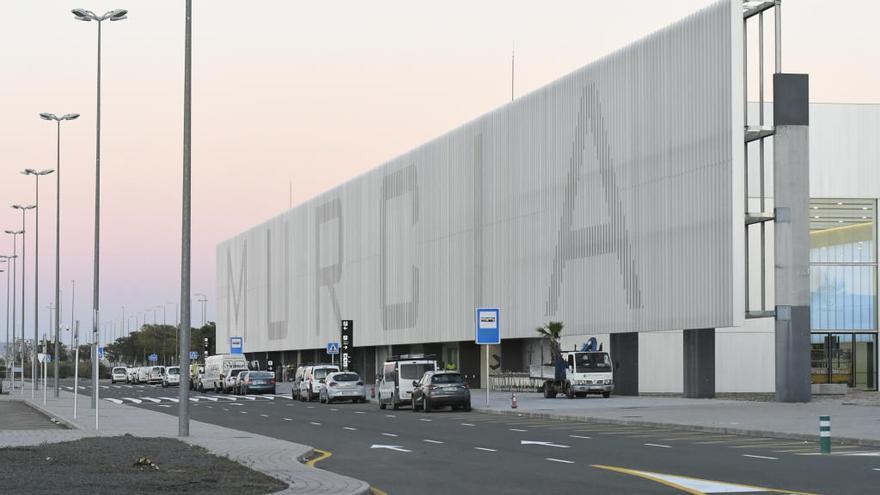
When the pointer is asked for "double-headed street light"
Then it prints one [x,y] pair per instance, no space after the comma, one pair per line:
[36,174]
[88,16]
[24,209]
[53,117]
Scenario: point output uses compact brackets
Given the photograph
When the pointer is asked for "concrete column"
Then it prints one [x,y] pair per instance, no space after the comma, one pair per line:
[625,356]
[699,363]
[791,189]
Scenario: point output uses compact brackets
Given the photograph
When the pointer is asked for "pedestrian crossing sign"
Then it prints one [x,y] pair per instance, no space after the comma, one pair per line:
[333,348]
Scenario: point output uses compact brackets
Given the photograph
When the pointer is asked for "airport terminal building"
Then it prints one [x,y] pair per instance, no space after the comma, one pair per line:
[711,242]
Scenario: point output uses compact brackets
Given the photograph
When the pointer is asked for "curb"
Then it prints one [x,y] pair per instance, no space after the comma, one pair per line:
[45,412]
[708,429]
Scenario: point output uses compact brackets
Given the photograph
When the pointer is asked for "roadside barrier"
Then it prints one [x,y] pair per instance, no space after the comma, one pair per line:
[825,434]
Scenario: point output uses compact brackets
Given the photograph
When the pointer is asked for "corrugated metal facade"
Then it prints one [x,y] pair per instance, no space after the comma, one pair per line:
[609,200]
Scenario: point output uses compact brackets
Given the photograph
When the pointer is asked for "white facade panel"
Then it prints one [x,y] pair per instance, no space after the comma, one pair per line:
[609,200]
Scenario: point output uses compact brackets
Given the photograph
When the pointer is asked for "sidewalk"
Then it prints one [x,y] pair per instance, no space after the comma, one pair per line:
[850,422]
[276,458]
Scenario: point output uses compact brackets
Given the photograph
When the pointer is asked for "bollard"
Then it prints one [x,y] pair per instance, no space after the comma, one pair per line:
[825,434]
[513,400]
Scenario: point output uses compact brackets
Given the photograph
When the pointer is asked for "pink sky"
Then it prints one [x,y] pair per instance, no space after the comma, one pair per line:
[313,92]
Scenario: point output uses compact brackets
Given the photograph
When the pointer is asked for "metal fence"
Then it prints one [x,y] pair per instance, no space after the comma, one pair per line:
[510,381]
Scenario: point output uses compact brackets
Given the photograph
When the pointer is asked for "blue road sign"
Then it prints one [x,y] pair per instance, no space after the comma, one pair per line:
[100,353]
[153,358]
[487,326]
[236,344]
[48,358]
[193,355]
[333,348]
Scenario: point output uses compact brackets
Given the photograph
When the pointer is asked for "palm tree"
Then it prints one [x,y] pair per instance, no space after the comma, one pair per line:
[552,331]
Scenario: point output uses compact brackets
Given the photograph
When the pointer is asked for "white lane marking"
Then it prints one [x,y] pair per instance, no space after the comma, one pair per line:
[389,434]
[580,436]
[875,469]
[397,448]
[287,419]
[485,449]
[761,457]
[81,387]
[136,401]
[235,405]
[313,423]
[105,387]
[264,415]
[164,405]
[658,445]
[214,399]
[433,441]
[518,429]
[193,399]
[152,399]
[172,399]
[227,410]
[544,444]
[390,416]
[426,420]
[69,388]
[115,401]
[117,386]
[552,459]
[334,410]
[360,412]
[210,407]
[349,428]
[248,397]
[243,412]
[128,386]
[310,407]
[282,396]
[468,424]
[233,399]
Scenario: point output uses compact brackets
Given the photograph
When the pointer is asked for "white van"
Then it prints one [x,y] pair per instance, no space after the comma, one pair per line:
[396,379]
[156,374]
[143,375]
[313,377]
[216,369]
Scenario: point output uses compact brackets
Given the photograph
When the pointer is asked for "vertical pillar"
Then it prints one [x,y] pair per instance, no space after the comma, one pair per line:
[699,363]
[791,174]
[625,355]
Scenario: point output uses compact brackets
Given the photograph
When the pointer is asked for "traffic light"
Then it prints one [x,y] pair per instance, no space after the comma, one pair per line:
[206,346]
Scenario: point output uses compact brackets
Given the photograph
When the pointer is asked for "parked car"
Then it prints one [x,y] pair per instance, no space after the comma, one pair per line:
[256,382]
[297,380]
[156,374]
[229,379]
[143,375]
[396,380]
[171,376]
[343,385]
[313,377]
[196,371]
[131,375]
[439,389]
[118,374]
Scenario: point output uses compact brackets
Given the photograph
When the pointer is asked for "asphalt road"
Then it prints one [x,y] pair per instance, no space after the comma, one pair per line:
[453,452]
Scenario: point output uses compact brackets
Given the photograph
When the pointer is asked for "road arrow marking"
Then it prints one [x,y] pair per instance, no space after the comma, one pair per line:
[396,448]
[545,444]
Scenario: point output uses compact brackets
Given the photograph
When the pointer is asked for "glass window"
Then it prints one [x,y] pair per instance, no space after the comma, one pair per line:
[843,264]
[415,371]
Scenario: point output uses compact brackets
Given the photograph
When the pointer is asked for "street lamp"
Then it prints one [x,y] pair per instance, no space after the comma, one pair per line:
[51,116]
[14,257]
[23,209]
[6,259]
[36,174]
[88,16]
[202,299]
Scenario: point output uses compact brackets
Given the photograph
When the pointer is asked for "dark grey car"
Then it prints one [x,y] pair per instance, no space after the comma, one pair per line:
[439,389]
[257,382]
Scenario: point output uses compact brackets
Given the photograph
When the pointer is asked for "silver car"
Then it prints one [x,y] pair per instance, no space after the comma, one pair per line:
[343,385]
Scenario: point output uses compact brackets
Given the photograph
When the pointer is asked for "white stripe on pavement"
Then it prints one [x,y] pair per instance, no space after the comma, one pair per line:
[761,457]
[136,401]
[151,399]
[433,441]
[485,449]
[172,399]
[552,459]
[658,445]
[115,401]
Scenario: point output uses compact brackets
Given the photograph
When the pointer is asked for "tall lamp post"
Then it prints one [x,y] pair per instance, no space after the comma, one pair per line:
[36,174]
[202,299]
[8,354]
[23,209]
[53,117]
[14,257]
[88,16]
[186,216]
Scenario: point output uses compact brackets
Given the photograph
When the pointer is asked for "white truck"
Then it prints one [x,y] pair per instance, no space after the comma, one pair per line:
[577,374]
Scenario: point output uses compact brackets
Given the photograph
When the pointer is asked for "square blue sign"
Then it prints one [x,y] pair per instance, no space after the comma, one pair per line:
[488,328]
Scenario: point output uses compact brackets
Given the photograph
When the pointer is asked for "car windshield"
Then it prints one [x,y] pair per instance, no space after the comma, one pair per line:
[173,371]
[592,362]
[346,377]
[446,378]
[156,369]
[119,370]
[321,373]
[235,372]
[261,374]
[415,371]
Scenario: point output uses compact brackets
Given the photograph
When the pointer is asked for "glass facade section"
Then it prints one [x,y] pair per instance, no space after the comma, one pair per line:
[843,264]
[843,292]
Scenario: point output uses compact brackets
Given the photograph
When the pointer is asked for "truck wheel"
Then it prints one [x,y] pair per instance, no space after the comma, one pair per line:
[606,394]
[549,391]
